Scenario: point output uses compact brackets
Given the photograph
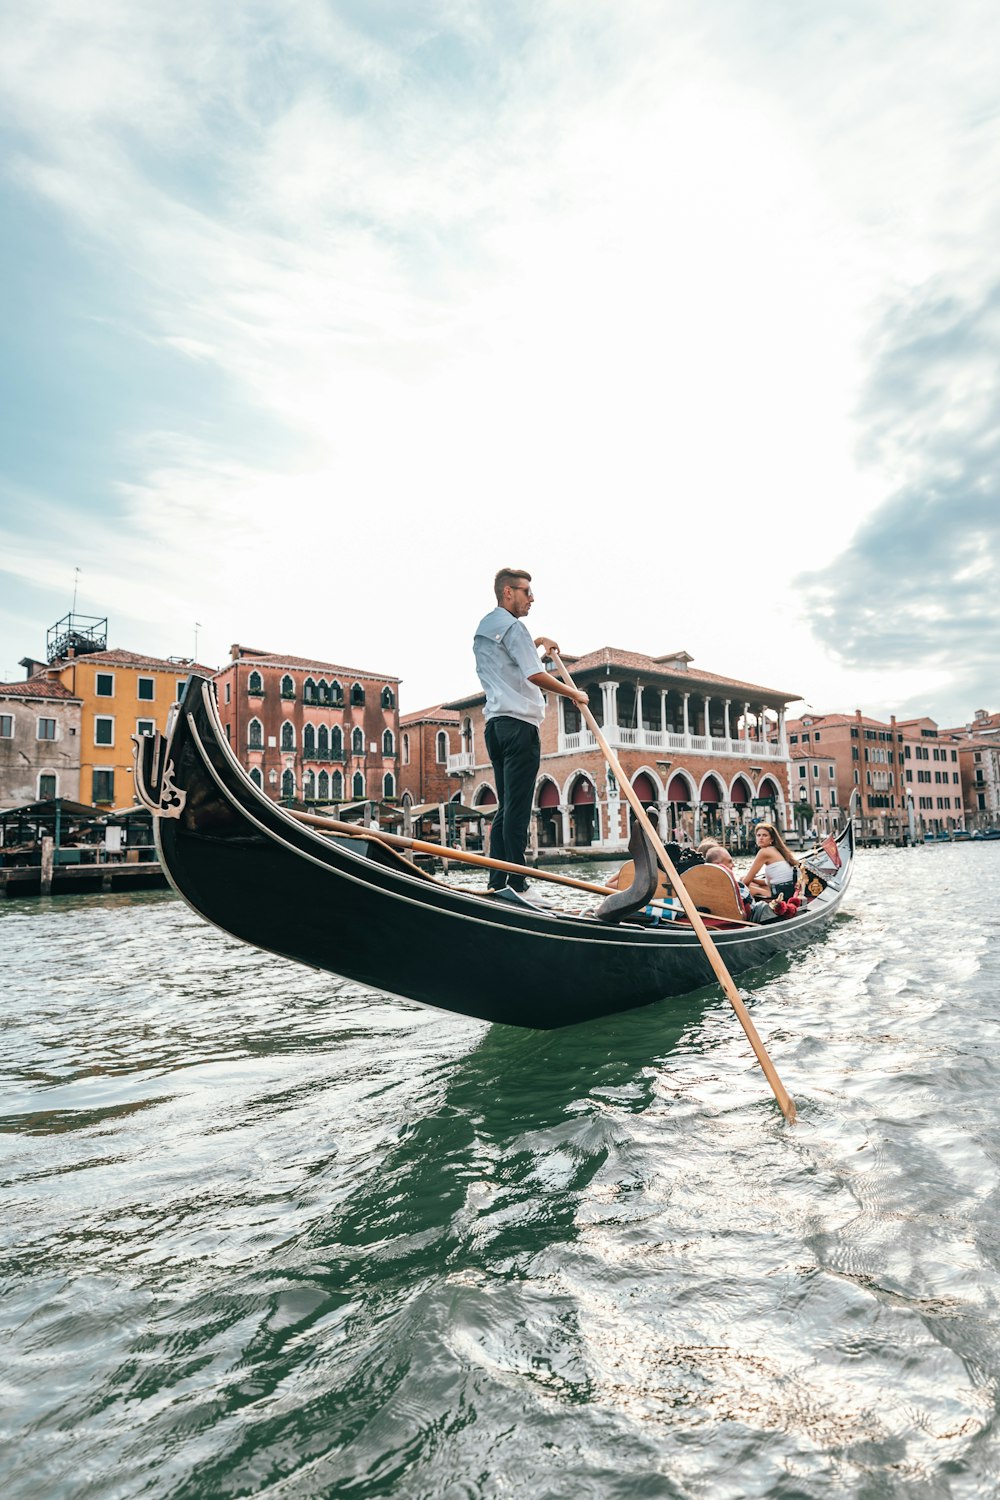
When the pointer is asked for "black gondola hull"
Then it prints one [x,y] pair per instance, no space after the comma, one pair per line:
[250,868]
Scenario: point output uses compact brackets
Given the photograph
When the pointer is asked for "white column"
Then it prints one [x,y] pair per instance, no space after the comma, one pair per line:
[662,826]
[729,731]
[609,692]
[708,717]
[564,814]
[638,714]
[746,722]
[663,712]
[687,726]
[782,741]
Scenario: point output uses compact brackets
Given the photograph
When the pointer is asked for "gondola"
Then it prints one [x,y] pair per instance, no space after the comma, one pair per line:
[356,908]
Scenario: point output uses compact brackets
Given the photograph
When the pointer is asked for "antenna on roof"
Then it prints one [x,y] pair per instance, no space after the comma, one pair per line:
[76,580]
[197,627]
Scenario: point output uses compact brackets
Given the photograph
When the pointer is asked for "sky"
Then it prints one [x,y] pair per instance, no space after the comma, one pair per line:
[317,312]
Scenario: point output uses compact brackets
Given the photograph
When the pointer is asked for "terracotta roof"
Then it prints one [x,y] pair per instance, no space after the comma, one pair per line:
[977,742]
[989,724]
[652,668]
[118,658]
[37,687]
[436,715]
[830,721]
[279,659]
[809,752]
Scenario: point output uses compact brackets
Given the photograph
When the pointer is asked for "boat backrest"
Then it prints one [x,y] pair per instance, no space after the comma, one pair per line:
[714,890]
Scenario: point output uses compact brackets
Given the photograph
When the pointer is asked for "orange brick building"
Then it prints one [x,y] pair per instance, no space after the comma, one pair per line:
[428,740]
[310,729]
[694,745]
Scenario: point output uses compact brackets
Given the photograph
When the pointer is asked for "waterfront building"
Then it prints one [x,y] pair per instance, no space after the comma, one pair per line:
[695,746]
[40,742]
[903,771]
[121,694]
[865,755]
[932,778]
[978,747]
[428,739]
[816,799]
[979,762]
[311,730]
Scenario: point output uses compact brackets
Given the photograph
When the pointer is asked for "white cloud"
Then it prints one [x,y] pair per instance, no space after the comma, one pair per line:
[598,304]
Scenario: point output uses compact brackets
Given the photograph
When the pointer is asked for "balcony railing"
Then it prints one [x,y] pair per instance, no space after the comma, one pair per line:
[658,739]
[623,738]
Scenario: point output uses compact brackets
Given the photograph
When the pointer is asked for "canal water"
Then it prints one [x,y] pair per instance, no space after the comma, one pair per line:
[268,1233]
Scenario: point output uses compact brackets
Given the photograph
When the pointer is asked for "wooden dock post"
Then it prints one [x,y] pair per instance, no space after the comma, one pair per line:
[48,861]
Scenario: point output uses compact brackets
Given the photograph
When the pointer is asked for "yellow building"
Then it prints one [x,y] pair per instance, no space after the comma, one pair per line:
[122,694]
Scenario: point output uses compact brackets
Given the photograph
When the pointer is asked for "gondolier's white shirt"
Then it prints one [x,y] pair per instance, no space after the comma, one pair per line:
[505,658]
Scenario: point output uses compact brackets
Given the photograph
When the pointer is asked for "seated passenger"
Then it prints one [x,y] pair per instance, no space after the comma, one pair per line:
[718,855]
[773,872]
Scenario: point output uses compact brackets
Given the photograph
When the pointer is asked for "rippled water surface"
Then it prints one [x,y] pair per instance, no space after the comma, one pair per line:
[267,1233]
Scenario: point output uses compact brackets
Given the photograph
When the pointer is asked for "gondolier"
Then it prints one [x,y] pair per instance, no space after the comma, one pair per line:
[512,679]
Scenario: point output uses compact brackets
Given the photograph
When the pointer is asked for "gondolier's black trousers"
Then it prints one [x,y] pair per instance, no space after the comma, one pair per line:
[515,752]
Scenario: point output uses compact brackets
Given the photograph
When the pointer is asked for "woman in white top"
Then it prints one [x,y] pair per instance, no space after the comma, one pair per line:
[773,871]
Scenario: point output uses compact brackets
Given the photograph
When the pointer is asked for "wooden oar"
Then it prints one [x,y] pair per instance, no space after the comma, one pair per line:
[460,856]
[712,953]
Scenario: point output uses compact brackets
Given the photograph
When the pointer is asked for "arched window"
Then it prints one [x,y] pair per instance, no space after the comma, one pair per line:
[357,696]
[357,741]
[441,754]
[309,740]
[324,786]
[256,777]
[323,742]
[288,783]
[388,743]
[255,685]
[388,698]
[309,690]
[406,749]
[388,785]
[358,785]
[287,687]
[309,786]
[337,742]
[288,735]
[255,735]
[338,786]
[467,736]
[323,691]
[337,695]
